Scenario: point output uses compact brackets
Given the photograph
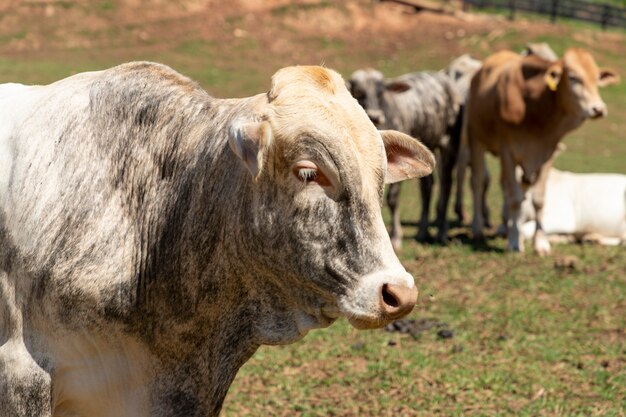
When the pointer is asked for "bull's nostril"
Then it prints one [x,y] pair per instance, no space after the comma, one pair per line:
[598,111]
[388,298]
[397,300]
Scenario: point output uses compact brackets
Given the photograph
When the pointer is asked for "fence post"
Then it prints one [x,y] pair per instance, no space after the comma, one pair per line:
[606,13]
[554,11]
[512,8]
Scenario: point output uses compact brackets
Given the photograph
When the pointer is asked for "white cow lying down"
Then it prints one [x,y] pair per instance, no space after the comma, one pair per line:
[582,206]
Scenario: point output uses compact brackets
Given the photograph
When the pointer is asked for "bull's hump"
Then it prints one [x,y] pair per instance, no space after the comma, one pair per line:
[157,72]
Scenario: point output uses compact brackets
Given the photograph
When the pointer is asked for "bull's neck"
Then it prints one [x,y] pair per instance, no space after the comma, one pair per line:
[184,278]
[570,115]
[195,313]
[551,114]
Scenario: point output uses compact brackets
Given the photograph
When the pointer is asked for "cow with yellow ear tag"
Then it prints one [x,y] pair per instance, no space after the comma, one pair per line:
[537,102]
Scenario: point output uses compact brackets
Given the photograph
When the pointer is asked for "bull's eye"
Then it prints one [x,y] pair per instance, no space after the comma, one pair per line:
[309,173]
[574,79]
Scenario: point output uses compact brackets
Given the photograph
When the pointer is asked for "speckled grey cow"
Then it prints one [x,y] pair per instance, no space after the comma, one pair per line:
[152,237]
[424,105]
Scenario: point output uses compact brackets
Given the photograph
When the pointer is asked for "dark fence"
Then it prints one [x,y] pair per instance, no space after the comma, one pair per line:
[603,14]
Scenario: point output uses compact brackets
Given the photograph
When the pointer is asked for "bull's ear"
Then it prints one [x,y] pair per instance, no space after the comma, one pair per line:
[607,77]
[406,157]
[511,95]
[397,86]
[249,140]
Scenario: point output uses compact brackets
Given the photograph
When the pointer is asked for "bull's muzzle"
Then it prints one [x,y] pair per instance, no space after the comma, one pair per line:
[597,110]
[397,300]
[380,298]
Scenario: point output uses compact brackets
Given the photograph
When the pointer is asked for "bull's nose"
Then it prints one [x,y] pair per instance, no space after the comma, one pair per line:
[598,110]
[397,300]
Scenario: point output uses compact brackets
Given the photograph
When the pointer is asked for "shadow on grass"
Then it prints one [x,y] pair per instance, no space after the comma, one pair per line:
[458,234]
[477,245]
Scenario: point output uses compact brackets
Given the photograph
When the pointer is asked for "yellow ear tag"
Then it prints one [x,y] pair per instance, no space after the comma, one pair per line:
[551,82]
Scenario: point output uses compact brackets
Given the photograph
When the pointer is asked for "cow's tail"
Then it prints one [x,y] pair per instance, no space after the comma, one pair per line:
[623,241]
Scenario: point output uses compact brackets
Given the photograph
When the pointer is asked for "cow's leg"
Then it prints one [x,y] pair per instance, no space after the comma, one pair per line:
[393,201]
[598,239]
[426,190]
[503,229]
[538,191]
[462,163]
[513,197]
[448,159]
[486,182]
[461,167]
[24,386]
[477,153]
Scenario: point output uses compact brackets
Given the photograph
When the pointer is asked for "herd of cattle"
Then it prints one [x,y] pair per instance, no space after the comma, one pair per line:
[152,237]
[518,107]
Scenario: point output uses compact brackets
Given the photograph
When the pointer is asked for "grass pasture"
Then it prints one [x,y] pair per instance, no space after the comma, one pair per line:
[530,336]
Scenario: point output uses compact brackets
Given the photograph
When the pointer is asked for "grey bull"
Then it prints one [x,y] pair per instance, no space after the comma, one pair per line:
[152,237]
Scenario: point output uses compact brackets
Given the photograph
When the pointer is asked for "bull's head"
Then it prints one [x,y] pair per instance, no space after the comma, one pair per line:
[318,168]
[582,77]
[574,79]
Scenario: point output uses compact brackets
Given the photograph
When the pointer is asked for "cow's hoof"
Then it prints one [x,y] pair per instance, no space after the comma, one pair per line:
[501,231]
[542,247]
[515,247]
[423,236]
[442,238]
[478,234]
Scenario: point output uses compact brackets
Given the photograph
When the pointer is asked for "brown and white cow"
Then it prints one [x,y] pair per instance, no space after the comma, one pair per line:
[519,108]
[152,237]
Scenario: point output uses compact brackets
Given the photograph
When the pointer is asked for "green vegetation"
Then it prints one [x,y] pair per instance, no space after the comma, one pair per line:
[106,5]
[18,35]
[288,9]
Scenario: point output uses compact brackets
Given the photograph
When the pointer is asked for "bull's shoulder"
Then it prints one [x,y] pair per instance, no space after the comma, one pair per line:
[13,98]
[9,89]
[15,103]
[119,83]
[496,68]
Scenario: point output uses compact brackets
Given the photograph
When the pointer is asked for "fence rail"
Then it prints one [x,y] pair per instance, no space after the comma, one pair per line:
[605,15]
